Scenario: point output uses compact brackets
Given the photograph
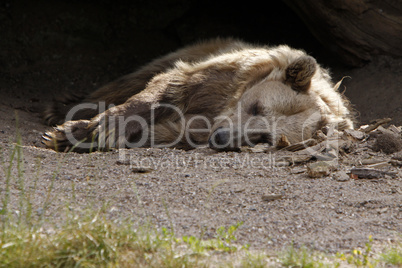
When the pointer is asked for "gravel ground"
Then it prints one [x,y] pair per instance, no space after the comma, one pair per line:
[197,191]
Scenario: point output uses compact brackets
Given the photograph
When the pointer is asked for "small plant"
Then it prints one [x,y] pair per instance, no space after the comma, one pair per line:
[393,256]
[225,237]
[297,257]
[360,257]
[254,260]
[223,241]
[196,245]
[304,257]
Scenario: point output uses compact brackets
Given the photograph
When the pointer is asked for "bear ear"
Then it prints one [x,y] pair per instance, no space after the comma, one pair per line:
[300,72]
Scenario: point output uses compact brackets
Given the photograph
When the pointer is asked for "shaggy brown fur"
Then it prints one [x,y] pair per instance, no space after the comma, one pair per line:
[188,97]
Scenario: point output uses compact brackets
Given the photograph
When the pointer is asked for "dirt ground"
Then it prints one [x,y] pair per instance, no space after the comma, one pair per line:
[193,191]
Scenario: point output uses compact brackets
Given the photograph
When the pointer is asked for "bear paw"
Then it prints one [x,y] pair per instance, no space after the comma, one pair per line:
[300,72]
[71,136]
[101,133]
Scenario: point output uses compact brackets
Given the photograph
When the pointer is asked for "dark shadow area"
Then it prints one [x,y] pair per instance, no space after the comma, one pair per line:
[51,47]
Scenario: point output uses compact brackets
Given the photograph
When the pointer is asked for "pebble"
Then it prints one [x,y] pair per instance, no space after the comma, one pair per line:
[320,169]
[39,211]
[341,176]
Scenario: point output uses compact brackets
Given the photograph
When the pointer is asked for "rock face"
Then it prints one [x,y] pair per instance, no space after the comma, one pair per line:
[356,29]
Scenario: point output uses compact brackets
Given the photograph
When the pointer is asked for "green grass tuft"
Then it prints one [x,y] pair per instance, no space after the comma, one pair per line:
[393,256]
[88,242]
[301,257]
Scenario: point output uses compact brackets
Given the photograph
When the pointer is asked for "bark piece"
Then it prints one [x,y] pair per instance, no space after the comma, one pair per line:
[259,148]
[300,145]
[395,129]
[374,125]
[379,165]
[282,142]
[271,197]
[295,158]
[370,173]
[354,134]
[396,163]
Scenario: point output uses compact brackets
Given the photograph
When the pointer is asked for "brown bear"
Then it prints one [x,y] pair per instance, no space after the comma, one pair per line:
[224,92]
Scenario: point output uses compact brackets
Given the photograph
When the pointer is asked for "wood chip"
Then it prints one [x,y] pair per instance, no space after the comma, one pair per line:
[300,145]
[298,170]
[374,125]
[327,155]
[294,158]
[313,150]
[324,157]
[259,148]
[320,147]
[396,163]
[383,130]
[370,173]
[281,163]
[371,161]
[354,134]
[271,197]
[395,129]
[379,165]
[239,190]
[282,142]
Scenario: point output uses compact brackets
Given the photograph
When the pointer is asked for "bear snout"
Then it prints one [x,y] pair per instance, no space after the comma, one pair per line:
[231,140]
[220,138]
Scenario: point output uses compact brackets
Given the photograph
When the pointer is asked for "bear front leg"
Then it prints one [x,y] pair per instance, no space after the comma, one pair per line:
[121,126]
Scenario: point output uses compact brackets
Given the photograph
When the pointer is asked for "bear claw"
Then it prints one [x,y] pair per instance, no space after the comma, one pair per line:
[71,134]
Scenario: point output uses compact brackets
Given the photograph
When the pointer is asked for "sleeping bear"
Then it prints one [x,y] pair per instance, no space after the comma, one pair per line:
[224,93]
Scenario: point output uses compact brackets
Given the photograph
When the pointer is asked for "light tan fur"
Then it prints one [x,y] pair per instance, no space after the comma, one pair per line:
[209,84]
